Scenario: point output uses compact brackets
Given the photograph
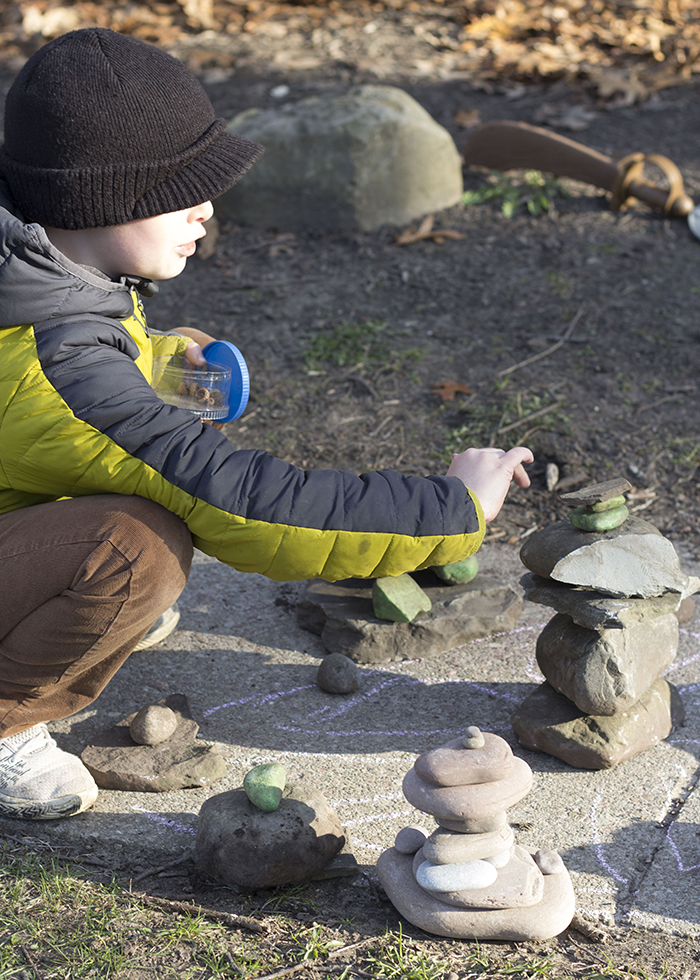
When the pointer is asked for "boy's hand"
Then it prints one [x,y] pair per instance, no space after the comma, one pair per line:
[488,472]
[193,353]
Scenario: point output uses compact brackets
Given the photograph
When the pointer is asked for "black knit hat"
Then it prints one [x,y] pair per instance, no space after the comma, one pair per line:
[102,128]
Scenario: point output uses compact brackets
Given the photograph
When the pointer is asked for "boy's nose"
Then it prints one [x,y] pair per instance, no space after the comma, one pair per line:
[204,211]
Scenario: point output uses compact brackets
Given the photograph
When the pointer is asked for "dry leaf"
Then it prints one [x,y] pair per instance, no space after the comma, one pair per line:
[448,389]
[424,231]
[466,118]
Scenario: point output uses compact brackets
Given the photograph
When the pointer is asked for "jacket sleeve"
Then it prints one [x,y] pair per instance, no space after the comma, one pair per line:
[88,422]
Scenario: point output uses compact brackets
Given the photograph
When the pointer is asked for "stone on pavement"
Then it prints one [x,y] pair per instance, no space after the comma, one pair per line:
[179,762]
[399,599]
[370,157]
[593,609]
[550,916]
[337,674]
[634,559]
[549,722]
[153,724]
[605,671]
[343,615]
[245,846]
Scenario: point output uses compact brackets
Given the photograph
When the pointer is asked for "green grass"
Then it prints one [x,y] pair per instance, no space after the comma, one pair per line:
[356,345]
[533,191]
[508,416]
[59,923]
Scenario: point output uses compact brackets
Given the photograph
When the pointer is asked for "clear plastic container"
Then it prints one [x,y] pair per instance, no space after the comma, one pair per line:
[202,390]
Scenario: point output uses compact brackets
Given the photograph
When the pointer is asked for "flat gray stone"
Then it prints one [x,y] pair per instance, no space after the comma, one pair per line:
[518,884]
[342,614]
[474,825]
[605,671]
[470,802]
[246,846]
[549,722]
[117,762]
[368,158]
[634,559]
[597,492]
[446,847]
[595,610]
[454,764]
[550,916]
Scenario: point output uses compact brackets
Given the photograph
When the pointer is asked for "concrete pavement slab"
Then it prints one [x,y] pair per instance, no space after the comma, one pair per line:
[628,836]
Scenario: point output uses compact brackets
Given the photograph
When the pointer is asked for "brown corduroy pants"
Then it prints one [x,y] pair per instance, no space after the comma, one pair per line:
[81,582]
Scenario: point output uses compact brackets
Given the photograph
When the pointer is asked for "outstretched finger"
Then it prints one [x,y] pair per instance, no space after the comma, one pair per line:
[516,457]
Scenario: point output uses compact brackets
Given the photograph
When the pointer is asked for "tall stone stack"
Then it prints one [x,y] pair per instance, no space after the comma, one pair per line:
[469,879]
[616,584]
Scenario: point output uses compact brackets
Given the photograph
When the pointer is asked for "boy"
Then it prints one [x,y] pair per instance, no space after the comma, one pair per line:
[111,157]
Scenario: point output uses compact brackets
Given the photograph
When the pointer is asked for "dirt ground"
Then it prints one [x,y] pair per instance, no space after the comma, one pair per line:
[619,395]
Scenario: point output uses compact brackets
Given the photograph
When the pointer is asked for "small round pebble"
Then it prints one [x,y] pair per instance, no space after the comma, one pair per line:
[549,862]
[409,840]
[153,724]
[473,739]
[337,674]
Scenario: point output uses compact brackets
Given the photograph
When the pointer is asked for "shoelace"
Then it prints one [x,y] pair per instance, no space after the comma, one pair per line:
[36,743]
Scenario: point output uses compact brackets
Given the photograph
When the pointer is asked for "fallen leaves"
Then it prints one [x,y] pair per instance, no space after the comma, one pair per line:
[623,50]
[447,390]
[426,231]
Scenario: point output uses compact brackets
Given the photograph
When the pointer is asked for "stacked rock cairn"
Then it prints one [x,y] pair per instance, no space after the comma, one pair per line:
[616,584]
[469,879]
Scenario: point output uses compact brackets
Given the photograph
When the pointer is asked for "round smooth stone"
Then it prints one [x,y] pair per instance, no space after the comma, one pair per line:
[153,724]
[499,860]
[549,862]
[459,572]
[454,764]
[337,674]
[475,826]
[409,840]
[455,877]
[264,785]
[604,505]
[473,739]
[585,519]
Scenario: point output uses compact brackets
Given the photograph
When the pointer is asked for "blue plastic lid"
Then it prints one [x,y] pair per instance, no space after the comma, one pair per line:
[224,352]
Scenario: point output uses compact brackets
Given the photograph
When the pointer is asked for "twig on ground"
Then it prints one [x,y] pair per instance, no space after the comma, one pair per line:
[188,908]
[162,867]
[659,401]
[30,960]
[545,353]
[333,955]
[591,930]
[528,418]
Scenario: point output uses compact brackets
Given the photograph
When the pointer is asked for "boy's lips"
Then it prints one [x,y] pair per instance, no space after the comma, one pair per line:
[188,249]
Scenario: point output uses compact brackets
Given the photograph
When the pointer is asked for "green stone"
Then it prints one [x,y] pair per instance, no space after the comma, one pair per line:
[608,504]
[586,519]
[264,785]
[399,599]
[459,572]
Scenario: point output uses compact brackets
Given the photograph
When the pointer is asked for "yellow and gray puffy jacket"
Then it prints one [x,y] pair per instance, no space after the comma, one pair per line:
[78,416]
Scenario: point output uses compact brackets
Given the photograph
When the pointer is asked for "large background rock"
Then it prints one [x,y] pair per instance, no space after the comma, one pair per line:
[370,157]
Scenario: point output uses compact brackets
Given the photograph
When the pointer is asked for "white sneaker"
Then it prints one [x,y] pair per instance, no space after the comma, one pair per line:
[162,628]
[39,781]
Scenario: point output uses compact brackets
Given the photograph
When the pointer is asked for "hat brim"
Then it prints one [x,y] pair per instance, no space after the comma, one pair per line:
[210,174]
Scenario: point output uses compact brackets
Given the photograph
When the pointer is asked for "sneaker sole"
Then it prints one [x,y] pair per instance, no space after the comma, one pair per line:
[163,631]
[64,806]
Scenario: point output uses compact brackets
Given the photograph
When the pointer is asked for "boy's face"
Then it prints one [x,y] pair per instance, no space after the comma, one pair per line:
[152,248]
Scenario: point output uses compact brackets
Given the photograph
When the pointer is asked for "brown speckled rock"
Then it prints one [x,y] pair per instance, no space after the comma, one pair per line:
[153,724]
